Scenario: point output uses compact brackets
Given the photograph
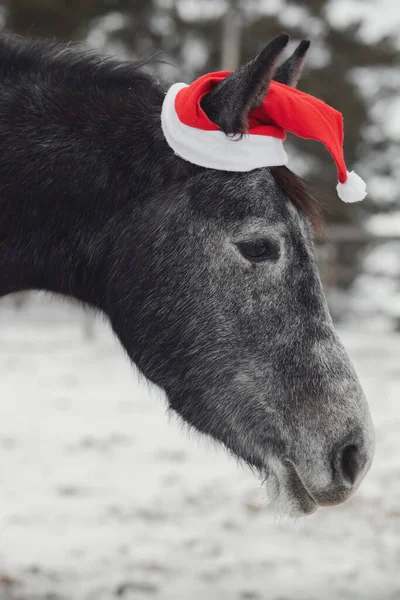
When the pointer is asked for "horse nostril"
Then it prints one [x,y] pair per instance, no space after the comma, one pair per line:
[350,463]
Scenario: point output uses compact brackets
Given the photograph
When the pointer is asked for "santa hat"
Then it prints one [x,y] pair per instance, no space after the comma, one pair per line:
[193,137]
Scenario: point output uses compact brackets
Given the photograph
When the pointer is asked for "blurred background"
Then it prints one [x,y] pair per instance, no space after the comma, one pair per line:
[100,495]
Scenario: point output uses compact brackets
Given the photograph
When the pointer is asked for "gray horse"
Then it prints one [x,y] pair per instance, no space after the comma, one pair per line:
[208,277]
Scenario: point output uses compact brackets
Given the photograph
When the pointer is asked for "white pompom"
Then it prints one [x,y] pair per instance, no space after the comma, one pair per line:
[353,190]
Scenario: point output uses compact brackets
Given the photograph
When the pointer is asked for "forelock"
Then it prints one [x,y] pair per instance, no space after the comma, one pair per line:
[296,190]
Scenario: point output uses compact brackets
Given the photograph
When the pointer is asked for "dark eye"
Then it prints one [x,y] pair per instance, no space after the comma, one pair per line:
[259,250]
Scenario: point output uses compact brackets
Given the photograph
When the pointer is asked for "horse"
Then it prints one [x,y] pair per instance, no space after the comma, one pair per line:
[207,277]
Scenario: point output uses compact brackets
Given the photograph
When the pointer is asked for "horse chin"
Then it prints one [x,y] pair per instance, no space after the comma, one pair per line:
[286,492]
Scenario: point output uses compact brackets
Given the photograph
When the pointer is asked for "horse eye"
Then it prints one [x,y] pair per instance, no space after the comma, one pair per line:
[259,250]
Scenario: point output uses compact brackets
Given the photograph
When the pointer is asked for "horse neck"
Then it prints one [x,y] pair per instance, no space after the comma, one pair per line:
[47,250]
[71,163]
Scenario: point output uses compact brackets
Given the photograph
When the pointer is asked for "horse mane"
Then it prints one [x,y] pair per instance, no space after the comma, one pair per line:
[69,62]
[295,188]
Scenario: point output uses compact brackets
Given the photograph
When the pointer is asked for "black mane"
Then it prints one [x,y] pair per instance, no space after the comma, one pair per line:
[71,62]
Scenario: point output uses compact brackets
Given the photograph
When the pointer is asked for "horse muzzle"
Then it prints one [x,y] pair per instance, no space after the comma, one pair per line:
[297,487]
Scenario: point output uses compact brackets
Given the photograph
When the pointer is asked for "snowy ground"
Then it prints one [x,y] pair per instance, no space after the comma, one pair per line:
[102,496]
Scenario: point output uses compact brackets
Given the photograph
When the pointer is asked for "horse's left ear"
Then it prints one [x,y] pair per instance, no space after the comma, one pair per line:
[290,71]
[232,100]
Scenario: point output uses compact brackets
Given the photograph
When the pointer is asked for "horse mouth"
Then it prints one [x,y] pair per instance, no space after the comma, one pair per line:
[287,491]
[298,489]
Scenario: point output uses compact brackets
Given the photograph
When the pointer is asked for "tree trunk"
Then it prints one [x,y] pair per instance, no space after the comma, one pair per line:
[231,36]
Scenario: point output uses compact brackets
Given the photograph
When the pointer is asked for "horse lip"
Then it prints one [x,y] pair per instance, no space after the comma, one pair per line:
[297,483]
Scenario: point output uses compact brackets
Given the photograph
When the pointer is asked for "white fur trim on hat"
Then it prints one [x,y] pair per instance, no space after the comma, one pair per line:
[214,149]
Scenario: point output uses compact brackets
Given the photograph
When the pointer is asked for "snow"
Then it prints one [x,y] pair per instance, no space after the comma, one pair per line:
[377,18]
[100,30]
[104,496]
[377,289]
[385,224]
[384,261]
[192,10]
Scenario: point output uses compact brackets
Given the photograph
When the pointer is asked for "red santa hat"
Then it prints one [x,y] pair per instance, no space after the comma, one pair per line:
[193,137]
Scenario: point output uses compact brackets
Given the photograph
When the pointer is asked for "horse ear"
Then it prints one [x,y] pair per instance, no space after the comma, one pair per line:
[233,99]
[289,72]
